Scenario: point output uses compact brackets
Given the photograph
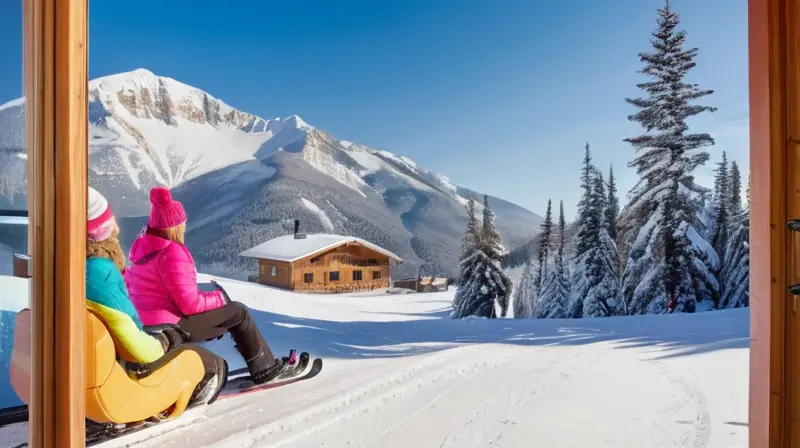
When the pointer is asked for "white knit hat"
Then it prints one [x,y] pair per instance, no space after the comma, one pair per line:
[99,219]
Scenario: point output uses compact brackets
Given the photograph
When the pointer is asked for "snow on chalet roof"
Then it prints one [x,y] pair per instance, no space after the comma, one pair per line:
[287,248]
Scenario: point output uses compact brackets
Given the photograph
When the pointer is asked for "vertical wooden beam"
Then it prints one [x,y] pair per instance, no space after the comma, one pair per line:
[774,32]
[56,130]
[791,144]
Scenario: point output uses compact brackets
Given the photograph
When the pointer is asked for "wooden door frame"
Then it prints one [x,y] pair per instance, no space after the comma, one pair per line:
[774,34]
[56,118]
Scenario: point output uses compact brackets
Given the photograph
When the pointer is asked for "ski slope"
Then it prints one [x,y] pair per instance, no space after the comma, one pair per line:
[399,373]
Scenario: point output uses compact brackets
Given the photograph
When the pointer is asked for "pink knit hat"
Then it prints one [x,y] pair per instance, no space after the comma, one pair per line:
[99,219]
[164,212]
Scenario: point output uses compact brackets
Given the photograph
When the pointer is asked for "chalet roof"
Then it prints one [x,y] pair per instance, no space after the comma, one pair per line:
[287,248]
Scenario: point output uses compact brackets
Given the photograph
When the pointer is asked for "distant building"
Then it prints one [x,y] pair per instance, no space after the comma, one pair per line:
[322,263]
[423,284]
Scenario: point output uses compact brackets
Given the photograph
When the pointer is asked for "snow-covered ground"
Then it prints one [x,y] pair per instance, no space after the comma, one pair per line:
[399,373]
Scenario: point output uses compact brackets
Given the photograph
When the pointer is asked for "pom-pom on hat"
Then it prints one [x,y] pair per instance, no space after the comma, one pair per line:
[164,211]
[99,218]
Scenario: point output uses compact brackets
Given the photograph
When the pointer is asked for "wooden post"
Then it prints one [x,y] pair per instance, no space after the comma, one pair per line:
[56,115]
[774,32]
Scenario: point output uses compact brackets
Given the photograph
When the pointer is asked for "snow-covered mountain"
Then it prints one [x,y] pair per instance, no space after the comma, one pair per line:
[244,179]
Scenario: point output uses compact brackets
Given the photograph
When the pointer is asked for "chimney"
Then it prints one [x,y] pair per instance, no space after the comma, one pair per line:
[297,234]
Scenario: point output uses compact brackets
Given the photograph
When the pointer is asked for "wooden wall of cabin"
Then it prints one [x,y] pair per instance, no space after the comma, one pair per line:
[339,269]
[275,273]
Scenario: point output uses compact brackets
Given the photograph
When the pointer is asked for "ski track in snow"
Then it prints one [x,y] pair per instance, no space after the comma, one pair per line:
[394,379]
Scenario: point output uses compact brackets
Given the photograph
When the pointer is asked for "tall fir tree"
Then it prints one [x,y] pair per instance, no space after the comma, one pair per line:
[747,193]
[600,261]
[612,210]
[554,300]
[736,269]
[722,200]
[544,241]
[496,286]
[525,293]
[667,259]
[467,300]
[735,190]
[588,224]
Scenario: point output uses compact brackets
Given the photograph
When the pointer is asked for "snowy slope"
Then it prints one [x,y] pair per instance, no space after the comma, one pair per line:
[247,177]
[399,373]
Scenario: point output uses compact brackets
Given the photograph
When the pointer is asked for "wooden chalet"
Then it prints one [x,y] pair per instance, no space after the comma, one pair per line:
[322,263]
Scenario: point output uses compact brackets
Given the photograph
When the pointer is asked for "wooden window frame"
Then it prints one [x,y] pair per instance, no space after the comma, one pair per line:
[274,270]
[376,275]
[56,122]
[338,276]
[360,275]
[308,277]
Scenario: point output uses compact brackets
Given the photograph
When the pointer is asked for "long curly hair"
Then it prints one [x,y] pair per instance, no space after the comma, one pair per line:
[109,248]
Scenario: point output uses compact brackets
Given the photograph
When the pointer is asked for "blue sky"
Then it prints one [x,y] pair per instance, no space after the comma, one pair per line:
[499,96]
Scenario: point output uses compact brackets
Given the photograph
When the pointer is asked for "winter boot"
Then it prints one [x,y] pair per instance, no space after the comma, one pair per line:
[209,389]
[276,370]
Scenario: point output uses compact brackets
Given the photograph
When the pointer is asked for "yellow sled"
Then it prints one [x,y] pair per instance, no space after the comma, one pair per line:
[115,394]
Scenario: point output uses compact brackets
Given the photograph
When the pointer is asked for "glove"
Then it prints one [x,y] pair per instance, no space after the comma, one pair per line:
[162,338]
[222,290]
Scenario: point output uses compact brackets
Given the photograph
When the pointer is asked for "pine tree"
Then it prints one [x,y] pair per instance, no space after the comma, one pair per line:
[667,259]
[735,190]
[554,300]
[496,286]
[747,193]
[544,241]
[590,219]
[525,293]
[612,211]
[467,300]
[736,270]
[600,261]
[471,239]
[722,199]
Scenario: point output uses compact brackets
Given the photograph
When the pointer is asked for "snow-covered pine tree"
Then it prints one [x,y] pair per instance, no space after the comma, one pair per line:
[735,190]
[471,239]
[553,302]
[662,247]
[601,262]
[588,223]
[544,241]
[612,209]
[496,286]
[747,193]
[736,270]
[467,301]
[722,198]
[525,292]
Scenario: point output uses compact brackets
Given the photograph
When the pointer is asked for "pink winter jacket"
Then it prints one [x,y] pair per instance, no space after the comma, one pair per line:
[162,282]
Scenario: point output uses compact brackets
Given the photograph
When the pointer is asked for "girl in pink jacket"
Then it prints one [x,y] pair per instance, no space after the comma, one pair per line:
[162,283]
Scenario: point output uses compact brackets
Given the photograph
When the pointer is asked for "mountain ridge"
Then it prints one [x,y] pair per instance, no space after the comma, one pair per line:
[243,178]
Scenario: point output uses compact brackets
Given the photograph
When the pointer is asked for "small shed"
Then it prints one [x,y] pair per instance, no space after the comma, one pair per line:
[423,284]
[322,263]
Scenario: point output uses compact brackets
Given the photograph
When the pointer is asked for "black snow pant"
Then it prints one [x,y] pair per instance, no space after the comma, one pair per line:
[234,318]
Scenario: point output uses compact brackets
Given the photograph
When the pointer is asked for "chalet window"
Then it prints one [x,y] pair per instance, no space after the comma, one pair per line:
[372,262]
[357,276]
[333,276]
[376,275]
[308,278]
[274,271]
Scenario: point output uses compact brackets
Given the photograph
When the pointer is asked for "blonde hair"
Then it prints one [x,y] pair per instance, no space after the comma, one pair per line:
[108,248]
[175,234]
